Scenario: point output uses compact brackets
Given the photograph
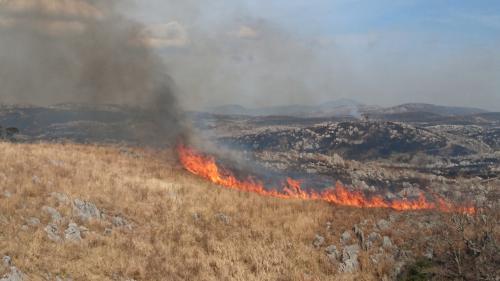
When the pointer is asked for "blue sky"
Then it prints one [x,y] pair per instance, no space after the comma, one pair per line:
[357,16]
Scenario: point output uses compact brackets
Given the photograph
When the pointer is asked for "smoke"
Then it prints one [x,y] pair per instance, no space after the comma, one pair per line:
[253,63]
[258,54]
[83,51]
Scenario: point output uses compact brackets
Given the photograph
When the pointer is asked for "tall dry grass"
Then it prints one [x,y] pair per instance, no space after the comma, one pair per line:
[179,232]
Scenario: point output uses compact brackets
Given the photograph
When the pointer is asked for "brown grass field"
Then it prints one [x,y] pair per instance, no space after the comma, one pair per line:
[177,233]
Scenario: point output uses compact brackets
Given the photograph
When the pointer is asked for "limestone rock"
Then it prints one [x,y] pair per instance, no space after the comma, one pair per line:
[61,197]
[387,243]
[374,236]
[345,237]
[350,262]
[120,222]
[383,224]
[429,253]
[332,253]
[55,216]
[72,233]
[223,218]
[360,235]
[52,232]
[14,275]
[372,239]
[409,191]
[318,241]
[33,222]
[86,210]
[7,261]
[108,232]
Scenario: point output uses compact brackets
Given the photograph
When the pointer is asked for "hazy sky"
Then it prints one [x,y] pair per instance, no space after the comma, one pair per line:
[310,51]
[257,53]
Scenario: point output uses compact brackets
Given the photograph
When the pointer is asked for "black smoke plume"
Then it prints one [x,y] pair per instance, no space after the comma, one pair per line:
[83,51]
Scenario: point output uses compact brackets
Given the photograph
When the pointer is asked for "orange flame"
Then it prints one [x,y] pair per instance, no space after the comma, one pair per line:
[206,167]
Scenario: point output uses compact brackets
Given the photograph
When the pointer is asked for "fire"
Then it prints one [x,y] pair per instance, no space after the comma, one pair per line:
[206,167]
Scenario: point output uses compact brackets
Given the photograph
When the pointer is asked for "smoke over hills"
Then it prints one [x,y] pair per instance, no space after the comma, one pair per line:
[82,51]
[260,54]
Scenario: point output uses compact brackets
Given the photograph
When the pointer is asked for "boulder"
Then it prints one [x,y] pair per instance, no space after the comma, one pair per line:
[345,237]
[33,222]
[108,232]
[72,233]
[223,218]
[120,222]
[14,275]
[318,241]
[86,210]
[360,236]
[350,262]
[60,197]
[55,216]
[372,239]
[410,192]
[383,224]
[387,243]
[52,232]
[7,261]
[429,253]
[332,253]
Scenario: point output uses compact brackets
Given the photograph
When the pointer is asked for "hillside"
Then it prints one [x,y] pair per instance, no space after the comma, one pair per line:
[74,212]
[346,107]
[432,109]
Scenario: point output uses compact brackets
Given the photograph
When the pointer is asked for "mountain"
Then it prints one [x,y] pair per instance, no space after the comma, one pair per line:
[229,109]
[348,107]
[341,107]
[432,109]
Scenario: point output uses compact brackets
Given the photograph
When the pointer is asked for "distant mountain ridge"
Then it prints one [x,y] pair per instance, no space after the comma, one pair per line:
[341,107]
[431,108]
[346,107]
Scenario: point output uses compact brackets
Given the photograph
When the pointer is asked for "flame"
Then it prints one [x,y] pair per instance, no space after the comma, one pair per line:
[206,167]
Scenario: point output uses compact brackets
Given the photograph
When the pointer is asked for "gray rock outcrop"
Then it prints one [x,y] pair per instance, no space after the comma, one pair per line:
[332,253]
[383,224]
[33,222]
[345,237]
[53,232]
[55,216]
[72,233]
[318,241]
[61,197]
[14,273]
[387,243]
[350,262]
[225,219]
[86,210]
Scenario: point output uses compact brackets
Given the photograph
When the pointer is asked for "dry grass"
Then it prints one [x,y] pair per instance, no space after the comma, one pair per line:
[176,235]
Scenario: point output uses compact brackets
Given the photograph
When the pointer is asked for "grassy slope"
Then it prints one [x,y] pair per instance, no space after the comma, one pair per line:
[177,234]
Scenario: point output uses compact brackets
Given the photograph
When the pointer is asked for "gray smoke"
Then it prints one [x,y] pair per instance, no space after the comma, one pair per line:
[83,51]
[262,53]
